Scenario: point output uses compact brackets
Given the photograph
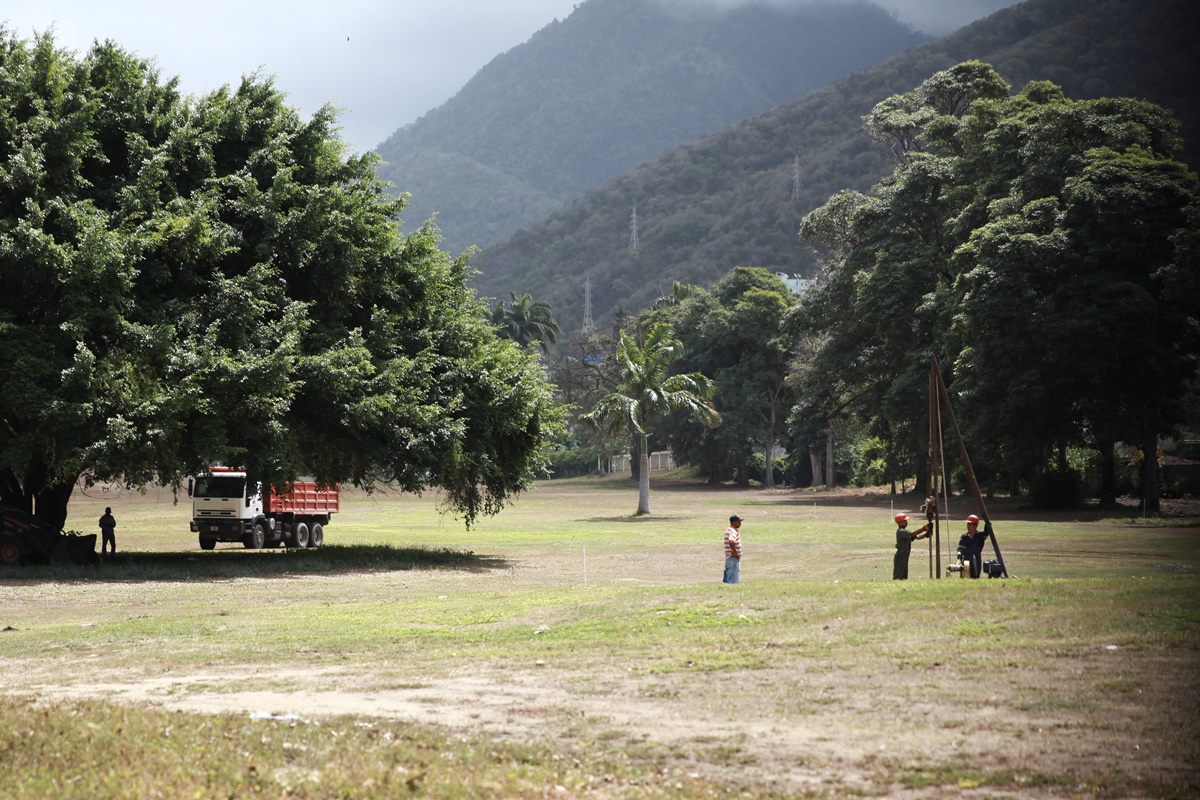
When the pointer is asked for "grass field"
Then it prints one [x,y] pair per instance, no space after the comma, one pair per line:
[568,649]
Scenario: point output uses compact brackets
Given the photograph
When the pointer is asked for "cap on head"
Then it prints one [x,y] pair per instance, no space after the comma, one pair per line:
[901,519]
[735,518]
[972,519]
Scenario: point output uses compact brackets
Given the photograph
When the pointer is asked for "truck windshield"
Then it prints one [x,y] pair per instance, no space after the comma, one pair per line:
[224,487]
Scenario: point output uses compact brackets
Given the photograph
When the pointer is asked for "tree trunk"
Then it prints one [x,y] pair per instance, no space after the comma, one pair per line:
[51,508]
[636,445]
[769,450]
[1150,475]
[769,478]
[1108,474]
[12,494]
[829,459]
[818,474]
[47,503]
[644,478]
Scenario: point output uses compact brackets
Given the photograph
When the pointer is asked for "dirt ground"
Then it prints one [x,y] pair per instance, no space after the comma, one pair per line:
[842,730]
[845,730]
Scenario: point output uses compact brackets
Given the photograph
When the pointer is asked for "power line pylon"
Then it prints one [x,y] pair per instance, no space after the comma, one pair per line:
[587,305]
[633,233]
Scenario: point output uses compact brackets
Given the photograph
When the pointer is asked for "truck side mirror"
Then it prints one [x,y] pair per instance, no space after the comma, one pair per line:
[189,487]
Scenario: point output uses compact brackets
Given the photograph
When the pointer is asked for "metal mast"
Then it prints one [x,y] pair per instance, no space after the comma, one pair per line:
[633,234]
[587,304]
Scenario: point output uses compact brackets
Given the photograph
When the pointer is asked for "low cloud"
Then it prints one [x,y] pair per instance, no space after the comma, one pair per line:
[935,17]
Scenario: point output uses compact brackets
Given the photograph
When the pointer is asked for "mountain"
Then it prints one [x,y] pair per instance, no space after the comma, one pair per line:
[615,84]
[729,198]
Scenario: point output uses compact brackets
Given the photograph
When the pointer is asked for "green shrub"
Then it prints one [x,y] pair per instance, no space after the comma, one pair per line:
[1056,488]
[572,462]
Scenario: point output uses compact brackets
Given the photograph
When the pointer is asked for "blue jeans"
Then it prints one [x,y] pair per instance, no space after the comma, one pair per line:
[733,568]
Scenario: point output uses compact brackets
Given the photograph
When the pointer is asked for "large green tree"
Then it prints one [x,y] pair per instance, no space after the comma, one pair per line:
[526,321]
[213,279]
[648,392]
[1035,244]
[734,334]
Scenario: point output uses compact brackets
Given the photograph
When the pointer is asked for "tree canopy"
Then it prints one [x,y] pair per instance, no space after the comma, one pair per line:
[526,321]
[733,333]
[730,197]
[1035,244]
[213,279]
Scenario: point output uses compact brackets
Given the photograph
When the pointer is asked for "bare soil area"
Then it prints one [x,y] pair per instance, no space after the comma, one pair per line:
[1094,718]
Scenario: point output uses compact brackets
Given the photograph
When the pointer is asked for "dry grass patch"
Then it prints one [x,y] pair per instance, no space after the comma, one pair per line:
[568,642]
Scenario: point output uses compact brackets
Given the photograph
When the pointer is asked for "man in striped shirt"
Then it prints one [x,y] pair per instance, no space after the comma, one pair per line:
[733,550]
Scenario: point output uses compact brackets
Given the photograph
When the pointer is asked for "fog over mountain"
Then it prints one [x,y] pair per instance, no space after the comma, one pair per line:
[385,63]
[934,17]
[613,85]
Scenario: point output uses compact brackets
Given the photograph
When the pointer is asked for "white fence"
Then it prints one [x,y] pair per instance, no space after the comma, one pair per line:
[659,462]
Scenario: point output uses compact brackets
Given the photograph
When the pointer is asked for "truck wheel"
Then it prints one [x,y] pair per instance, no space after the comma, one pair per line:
[299,535]
[207,543]
[316,536]
[10,550]
[257,537]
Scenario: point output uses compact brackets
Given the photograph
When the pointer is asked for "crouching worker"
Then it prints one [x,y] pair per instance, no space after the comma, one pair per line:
[904,540]
[970,547]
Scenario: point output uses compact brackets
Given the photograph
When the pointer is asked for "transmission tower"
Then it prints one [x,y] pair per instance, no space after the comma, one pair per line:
[633,236]
[796,178]
[587,305]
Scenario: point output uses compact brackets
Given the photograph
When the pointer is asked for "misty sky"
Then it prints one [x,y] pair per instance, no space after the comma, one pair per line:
[385,62]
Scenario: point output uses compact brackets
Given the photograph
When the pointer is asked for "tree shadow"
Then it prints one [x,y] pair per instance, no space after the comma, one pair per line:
[633,518]
[225,564]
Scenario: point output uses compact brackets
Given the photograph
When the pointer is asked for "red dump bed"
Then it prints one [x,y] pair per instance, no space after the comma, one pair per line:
[305,498]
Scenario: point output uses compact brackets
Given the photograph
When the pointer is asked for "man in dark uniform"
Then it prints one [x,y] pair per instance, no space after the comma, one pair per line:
[904,540]
[108,532]
[970,547]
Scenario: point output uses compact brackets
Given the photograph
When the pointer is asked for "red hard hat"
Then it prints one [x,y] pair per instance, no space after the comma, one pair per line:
[901,518]
[972,520]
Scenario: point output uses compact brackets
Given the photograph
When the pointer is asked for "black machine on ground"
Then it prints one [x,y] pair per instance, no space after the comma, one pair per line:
[25,540]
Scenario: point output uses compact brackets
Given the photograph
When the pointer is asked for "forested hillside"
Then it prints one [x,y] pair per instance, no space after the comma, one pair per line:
[616,83]
[729,198]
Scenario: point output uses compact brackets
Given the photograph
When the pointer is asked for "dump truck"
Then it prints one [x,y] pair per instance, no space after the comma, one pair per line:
[26,540]
[228,507]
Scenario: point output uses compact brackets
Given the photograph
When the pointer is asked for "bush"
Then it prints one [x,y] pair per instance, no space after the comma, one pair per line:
[797,470]
[756,469]
[1055,488]
[573,462]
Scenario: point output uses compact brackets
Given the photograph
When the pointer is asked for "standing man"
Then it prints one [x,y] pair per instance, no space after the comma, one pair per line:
[108,532]
[733,550]
[970,547]
[904,540]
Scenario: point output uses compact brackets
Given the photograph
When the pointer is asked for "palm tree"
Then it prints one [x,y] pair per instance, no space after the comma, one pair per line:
[647,393]
[679,293]
[526,321]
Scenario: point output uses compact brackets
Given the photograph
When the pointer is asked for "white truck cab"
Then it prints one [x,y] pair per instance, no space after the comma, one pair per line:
[228,507]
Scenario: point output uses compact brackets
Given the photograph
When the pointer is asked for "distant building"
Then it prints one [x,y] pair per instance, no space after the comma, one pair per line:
[797,284]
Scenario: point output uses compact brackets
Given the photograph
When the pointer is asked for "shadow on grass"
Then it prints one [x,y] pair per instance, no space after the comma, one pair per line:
[271,563]
[633,518]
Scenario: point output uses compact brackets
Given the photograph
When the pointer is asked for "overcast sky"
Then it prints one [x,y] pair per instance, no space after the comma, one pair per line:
[385,62]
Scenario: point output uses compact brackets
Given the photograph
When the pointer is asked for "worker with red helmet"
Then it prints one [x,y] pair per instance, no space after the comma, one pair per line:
[904,540]
[970,547]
